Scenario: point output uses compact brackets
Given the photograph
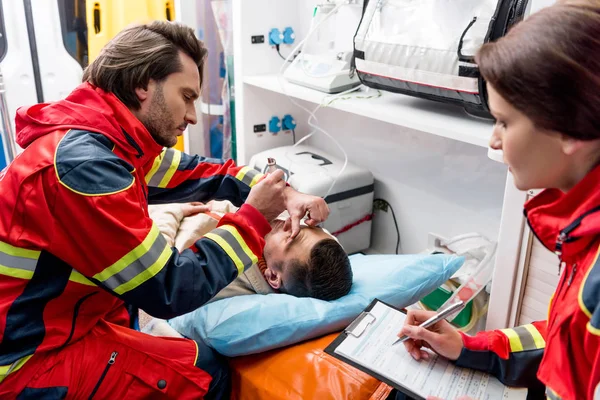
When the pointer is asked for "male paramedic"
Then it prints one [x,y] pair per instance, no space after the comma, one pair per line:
[77,244]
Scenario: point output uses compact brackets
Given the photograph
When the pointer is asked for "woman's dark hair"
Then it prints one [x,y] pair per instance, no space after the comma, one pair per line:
[548,67]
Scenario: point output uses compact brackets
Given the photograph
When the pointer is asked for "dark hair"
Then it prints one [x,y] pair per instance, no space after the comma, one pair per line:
[548,67]
[140,53]
[326,276]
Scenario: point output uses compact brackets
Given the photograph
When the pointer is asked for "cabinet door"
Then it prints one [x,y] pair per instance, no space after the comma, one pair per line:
[539,282]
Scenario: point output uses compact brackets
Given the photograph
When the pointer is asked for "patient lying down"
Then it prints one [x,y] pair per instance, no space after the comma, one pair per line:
[314,264]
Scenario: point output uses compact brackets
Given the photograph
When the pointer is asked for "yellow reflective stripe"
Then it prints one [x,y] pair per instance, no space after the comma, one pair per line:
[551,394]
[513,338]
[76,276]
[17,262]
[16,272]
[538,339]
[147,273]
[241,173]
[155,166]
[249,176]
[256,179]
[228,249]
[130,257]
[169,162]
[232,229]
[172,169]
[5,370]
[19,252]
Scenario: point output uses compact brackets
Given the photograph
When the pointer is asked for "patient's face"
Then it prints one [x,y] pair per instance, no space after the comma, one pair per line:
[278,250]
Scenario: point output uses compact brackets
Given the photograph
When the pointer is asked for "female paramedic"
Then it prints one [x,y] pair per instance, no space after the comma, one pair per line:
[544,92]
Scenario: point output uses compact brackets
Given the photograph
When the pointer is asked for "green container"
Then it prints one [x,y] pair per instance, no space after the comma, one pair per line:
[435,299]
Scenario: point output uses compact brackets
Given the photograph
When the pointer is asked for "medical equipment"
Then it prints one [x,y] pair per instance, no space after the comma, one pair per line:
[349,194]
[325,60]
[427,48]
[271,165]
[469,282]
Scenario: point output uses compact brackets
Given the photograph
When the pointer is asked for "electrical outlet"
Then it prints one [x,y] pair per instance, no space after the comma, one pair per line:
[260,128]
[288,123]
[288,35]
[380,205]
[274,125]
[275,37]
[257,39]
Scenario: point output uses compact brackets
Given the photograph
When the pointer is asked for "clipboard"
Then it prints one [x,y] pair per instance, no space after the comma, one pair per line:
[356,329]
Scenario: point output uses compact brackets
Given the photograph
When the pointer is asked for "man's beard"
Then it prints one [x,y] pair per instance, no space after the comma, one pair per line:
[158,120]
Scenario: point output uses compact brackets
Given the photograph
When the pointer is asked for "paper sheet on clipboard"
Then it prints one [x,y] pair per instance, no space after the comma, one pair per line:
[372,348]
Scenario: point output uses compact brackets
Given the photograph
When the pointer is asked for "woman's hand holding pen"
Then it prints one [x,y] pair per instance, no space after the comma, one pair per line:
[441,337]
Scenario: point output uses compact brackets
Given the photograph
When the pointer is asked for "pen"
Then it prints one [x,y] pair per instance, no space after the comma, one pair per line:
[436,318]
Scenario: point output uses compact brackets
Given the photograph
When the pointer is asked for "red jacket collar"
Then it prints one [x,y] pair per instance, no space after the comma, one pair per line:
[89,108]
[575,215]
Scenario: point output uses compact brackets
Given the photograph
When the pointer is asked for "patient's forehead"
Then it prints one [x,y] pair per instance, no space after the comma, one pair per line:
[308,238]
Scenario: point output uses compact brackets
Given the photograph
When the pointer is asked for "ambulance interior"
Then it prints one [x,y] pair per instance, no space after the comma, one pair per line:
[403,176]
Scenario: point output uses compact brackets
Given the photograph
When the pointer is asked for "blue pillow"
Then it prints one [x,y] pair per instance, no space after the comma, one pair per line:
[251,324]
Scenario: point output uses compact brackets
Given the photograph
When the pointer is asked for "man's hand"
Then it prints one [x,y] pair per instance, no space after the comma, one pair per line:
[194,208]
[300,204]
[267,196]
[441,337]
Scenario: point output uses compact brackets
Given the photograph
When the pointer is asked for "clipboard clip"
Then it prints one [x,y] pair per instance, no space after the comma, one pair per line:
[360,324]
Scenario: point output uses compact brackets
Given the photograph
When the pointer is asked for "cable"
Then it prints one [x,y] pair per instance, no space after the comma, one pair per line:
[284,58]
[388,205]
[377,95]
[294,135]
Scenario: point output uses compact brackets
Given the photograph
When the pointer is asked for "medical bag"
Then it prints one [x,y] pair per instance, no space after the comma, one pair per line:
[349,195]
[426,48]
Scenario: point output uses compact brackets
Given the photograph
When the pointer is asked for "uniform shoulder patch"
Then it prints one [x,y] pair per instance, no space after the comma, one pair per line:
[84,163]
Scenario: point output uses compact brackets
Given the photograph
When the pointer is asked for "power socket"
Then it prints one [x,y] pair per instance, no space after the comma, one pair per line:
[380,205]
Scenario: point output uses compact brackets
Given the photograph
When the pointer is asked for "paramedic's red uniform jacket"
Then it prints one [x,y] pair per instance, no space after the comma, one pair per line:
[563,352]
[76,242]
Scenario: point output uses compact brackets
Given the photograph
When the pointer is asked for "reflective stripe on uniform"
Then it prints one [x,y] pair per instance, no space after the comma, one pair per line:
[523,338]
[249,176]
[5,370]
[230,240]
[76,276]
[164,168]
[137,266]
[550,394]
[17,262]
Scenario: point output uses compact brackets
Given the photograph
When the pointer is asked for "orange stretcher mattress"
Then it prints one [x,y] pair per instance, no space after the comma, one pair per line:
[303,371]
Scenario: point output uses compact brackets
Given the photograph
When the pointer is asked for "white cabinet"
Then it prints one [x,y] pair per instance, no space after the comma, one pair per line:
[430,160]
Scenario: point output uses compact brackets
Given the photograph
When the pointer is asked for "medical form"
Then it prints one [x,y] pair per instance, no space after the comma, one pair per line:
[373,350]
